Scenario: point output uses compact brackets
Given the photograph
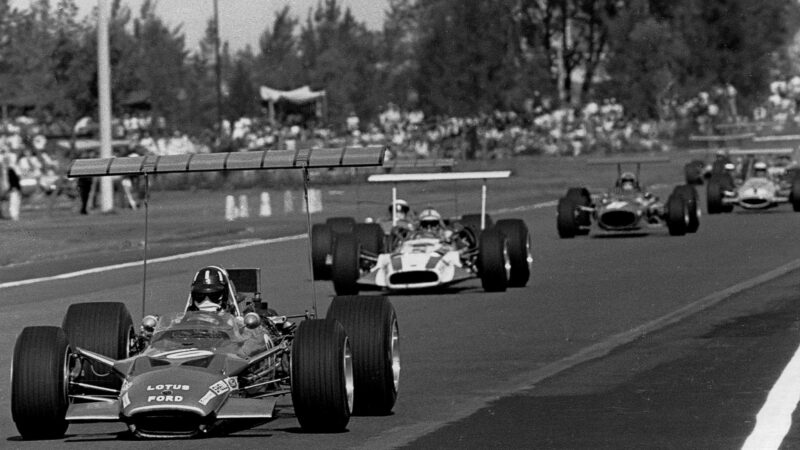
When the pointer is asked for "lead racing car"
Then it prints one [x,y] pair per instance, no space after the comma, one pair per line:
[185,373]
[224,357]
[627,207]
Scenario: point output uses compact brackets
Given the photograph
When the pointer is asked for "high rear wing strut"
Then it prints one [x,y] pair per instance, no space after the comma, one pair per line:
[451,176]
[210,162]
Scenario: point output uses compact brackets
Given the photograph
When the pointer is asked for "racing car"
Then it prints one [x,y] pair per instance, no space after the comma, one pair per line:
[627,207]
[765,183]
[185,373]
[470,246]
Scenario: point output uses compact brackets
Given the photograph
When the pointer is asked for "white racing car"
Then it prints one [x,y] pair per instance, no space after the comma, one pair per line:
[766,183]
[436,252]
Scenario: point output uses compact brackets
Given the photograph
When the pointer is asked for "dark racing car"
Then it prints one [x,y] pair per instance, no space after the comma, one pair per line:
[627,207]
[184,374]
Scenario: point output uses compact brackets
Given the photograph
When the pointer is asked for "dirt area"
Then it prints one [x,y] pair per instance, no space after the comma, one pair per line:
[191,219]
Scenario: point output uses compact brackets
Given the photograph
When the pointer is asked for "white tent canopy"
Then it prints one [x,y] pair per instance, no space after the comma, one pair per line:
[300,95]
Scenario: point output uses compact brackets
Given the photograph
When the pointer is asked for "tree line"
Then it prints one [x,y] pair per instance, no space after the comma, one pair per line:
[448,57]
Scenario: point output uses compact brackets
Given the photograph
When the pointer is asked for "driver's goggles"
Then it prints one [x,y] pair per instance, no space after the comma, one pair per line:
[211,296]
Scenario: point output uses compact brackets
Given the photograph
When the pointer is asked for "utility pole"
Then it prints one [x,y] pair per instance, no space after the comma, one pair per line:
[218,70]
[104,97]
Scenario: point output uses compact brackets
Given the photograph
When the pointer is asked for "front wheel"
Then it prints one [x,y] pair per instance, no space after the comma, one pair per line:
[493,260]
[689,194]
[371,324]
[322,376]
[795,195]
[321,245]
[677,215]
[39,383]
[566,218]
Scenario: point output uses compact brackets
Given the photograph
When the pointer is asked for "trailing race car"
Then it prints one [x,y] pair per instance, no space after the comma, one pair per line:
[627,207]
[185,373]
[224,357]
[766,183]
[435,252]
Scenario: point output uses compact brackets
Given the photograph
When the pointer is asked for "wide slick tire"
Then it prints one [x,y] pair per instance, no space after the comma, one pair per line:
[102,327]
[689,194]
[492,260]
[580,196]
[519,250]
[714,203]
[322,376]
[321,246]
[794,197]
[39,383]
[371,324]
[370,236]
[345,270]
[677,215]
[566,218]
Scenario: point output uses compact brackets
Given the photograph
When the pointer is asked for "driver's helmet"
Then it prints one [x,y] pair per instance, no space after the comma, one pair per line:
[627,181]
[401,209]
[430,221]
[210,289]
[760,169]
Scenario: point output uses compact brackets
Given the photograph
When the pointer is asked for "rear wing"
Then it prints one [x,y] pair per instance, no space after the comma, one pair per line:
[451,176]
[209,162]
[761,151]
[778,138]
[722,138]
[638,161]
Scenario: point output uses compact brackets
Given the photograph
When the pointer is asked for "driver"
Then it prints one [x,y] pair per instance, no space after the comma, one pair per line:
[212,291]
[431,225]
[628,182]
[760,170]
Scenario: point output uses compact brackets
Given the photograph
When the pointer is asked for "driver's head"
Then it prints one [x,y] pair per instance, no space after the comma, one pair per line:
[760,169]
[401,209]
[210,289]
[627,181]
[430,221]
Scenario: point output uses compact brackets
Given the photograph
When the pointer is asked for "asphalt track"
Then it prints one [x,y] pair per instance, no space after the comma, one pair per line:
[464,349]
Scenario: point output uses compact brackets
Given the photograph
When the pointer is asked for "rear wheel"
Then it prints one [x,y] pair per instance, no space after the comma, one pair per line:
[677,215]
[371,324]
[321,245]
[566,218]
[370,236]
[493,260]
[345,270]
[102,327]
[322,376]
[39,383]
[519,250]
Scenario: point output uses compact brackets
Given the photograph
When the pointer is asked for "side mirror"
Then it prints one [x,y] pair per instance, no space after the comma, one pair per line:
[252,320]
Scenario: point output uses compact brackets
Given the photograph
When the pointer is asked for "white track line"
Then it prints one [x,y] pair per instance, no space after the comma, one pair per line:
[95,270]
[400,436]
[775,418]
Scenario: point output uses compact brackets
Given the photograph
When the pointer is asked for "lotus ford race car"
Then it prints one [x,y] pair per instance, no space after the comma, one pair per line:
[185,373]
[764,183]
[627,207]
[425,252]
